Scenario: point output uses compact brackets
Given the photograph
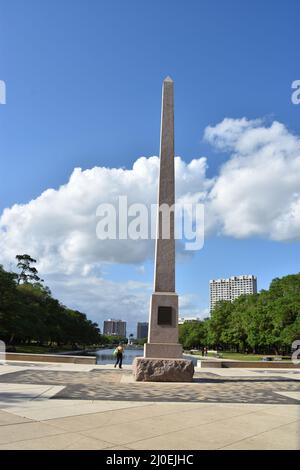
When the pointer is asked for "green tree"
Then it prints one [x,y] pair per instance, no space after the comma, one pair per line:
[265,322]
[28,273]
[219,324]
[9,305]
[29,313]
[193,334]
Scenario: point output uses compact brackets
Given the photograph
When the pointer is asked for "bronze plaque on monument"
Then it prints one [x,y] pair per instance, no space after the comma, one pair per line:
[164,316]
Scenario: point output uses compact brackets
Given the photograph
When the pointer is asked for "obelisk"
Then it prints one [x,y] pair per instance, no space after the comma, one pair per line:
[162,359]
[163,317]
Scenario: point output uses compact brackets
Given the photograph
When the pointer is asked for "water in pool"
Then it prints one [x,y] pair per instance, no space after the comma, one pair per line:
[105,356]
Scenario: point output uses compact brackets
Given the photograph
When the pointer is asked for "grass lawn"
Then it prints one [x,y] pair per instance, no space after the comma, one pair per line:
[32,348]
[36,349]
[239,356]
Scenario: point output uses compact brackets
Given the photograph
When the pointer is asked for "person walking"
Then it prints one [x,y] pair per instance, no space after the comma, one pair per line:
[119,355]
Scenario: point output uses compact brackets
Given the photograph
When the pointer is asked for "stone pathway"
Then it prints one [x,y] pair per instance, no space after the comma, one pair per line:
[208,387]
[97,407]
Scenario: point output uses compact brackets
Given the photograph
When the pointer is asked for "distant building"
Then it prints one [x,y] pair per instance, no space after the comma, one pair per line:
[231,288]
[114,327]
[142,330]
[182,320]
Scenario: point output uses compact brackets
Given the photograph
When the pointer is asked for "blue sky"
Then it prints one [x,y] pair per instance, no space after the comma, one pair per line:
[84,90]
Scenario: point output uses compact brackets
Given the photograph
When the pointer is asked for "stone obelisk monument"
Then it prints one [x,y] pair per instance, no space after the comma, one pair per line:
[163,354]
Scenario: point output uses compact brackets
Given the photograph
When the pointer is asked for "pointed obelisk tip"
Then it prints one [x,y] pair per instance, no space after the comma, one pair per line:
[168,79]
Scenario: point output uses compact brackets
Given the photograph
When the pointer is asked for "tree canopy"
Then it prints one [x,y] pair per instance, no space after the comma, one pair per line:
[265,322]
[29,313]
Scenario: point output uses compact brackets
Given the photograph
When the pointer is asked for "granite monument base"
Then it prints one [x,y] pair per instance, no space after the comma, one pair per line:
[146,369]
[165,350]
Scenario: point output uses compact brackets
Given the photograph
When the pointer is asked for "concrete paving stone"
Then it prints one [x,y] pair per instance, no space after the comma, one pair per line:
[124,433]
[22,388]
[293,395]
[7,418]
[207,414]
[49,413]
[284,410]
[215,435]
[155,410]
[91,421]
[227,372]
[56,442]
[5,369]
[241,427]
[171,441]
[31,430]
[80,407]
[165,424]
[88,443]
[285,437]
[40,404]
[179,416]
[14,394]
[26,365]
[50,392]
[117,447]
[173,407]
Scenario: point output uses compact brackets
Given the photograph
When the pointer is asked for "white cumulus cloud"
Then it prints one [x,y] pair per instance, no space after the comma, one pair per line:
[59,227]
[256,192]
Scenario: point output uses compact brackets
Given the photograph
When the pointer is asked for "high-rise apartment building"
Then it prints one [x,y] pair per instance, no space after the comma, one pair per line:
[231,288]
[114,327]
[141,330]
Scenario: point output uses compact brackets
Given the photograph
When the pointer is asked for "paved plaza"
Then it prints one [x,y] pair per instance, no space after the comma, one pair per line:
[78,406]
